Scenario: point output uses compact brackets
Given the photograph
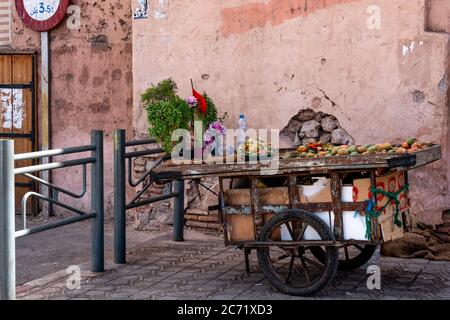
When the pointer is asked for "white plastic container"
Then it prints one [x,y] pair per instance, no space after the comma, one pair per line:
[327,217]
[347,194]
[354,223]
[354,226]
[310,191]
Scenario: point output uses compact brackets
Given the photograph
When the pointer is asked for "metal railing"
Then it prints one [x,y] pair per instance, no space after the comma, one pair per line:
[123,163]
[7,202]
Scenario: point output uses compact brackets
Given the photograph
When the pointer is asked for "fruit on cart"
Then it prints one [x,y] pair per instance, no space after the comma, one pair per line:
[302,149]
[254,146]
[416,145]
[352,149]
[411,141]
[343,152]
[361,149]
[318,150]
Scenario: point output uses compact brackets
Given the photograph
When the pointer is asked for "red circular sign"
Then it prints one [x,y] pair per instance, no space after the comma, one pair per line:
[355,194]
[41,15]
[380,197]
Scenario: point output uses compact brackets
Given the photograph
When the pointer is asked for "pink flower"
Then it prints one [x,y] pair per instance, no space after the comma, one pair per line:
[218,127]
[192,101]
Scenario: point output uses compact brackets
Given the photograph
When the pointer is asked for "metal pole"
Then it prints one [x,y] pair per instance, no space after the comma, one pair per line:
[45,117]
[97,203]
[178,216]
[119,198]
[7,223]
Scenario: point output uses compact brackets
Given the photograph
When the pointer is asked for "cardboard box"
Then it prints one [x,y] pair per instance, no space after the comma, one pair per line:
[392,182]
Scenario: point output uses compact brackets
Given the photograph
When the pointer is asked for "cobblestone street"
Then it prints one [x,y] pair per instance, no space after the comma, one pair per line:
[208,270]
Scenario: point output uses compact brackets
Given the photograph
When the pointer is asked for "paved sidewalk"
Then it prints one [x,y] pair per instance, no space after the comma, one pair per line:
[204,270]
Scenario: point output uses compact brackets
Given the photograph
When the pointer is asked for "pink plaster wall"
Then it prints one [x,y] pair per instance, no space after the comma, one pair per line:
[438,20]
[91,82]
[269,59]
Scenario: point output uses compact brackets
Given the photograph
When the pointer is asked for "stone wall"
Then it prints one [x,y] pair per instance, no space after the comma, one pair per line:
[270,59]
[309,126]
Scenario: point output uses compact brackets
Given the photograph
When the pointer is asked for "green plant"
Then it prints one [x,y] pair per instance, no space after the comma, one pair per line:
[166,112]
[211,113]
[165,90]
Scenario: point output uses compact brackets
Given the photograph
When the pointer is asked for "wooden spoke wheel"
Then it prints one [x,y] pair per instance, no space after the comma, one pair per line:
[292,268]
[351,256]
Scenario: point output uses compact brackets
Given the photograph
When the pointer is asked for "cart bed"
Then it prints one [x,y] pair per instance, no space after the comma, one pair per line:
[298,165]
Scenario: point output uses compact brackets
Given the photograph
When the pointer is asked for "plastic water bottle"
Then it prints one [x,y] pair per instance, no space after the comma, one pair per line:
[242,128]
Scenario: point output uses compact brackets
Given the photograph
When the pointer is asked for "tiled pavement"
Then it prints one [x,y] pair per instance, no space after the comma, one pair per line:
[208,270]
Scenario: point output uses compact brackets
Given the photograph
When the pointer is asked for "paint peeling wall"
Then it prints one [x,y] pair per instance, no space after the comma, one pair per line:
[269,59]
[91,80]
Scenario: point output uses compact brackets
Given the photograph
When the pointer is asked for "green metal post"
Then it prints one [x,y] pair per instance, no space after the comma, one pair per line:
[178,216]
[97,204]
[119,198]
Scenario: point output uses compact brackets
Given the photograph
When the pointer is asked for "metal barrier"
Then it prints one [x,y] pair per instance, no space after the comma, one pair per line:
[120,202]
[7,203]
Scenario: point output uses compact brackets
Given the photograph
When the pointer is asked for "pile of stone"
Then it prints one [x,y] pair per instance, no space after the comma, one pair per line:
[309,126]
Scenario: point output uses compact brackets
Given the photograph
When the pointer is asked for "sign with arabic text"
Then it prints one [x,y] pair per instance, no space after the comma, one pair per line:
[41,15]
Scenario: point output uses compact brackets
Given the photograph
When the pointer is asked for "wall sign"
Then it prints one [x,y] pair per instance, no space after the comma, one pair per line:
[41,15]
[141,9]
[12,108]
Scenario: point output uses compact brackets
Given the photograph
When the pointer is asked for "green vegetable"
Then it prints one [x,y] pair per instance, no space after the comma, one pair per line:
[372,149]
[352,149]
[411,141]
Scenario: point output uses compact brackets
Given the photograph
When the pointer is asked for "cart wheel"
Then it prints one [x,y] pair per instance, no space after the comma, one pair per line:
[352,256]
[293,269]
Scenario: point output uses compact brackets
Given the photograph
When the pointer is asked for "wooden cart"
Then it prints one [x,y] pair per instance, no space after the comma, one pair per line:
[292,264]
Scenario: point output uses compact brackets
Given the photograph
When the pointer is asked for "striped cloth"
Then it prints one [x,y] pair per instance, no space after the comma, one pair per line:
[5,22]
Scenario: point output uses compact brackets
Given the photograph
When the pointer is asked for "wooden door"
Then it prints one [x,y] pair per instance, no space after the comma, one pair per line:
[18,113]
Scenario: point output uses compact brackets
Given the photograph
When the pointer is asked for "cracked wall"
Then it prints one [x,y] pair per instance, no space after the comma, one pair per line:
[270,59]
[91,82]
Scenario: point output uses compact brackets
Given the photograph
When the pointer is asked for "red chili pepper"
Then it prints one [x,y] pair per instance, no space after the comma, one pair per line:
[314,146]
